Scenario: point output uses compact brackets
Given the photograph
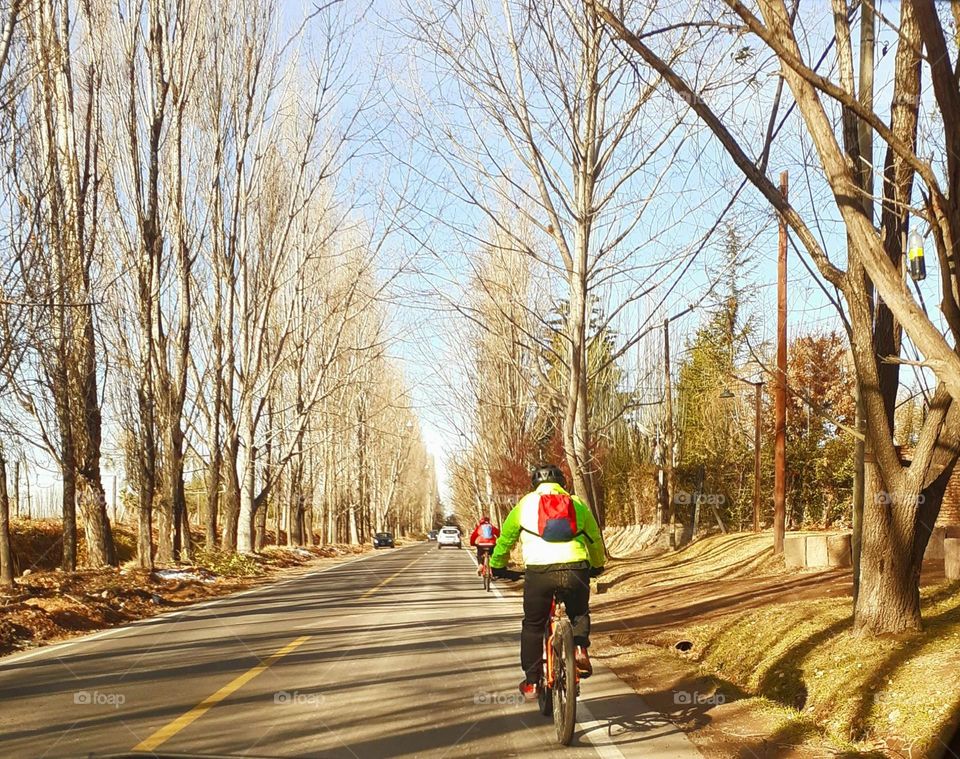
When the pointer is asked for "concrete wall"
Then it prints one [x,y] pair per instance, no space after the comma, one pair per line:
[951,564]
[817,551]
[934,550]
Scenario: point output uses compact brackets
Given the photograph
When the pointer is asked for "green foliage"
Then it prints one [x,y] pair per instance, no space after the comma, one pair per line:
[819,454]
[717,416]
[909,419]
[620,455]
[714,432]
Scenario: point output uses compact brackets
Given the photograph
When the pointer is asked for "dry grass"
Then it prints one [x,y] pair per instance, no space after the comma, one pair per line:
[811,685]
[859,691]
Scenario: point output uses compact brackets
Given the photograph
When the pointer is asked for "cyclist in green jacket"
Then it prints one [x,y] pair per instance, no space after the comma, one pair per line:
[562,548]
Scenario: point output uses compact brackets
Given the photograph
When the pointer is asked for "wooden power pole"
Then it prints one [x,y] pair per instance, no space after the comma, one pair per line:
[668,431]
[758,388]
[780,396]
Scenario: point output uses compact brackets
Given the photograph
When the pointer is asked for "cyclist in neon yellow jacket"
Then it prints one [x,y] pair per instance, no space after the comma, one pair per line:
[562,548]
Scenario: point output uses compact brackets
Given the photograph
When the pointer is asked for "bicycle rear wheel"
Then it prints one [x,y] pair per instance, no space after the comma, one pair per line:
[486,572]
[564,682]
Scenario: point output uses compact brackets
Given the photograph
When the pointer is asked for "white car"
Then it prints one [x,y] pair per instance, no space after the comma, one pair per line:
[449,536]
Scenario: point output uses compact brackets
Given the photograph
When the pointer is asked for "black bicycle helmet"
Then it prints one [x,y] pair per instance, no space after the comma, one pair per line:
[547,473]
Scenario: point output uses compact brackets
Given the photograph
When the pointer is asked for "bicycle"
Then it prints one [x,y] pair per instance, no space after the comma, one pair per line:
[561,681]
[560,686]
[485,572]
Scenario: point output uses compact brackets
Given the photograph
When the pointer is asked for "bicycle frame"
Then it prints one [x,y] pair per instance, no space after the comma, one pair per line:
[556,612]
[485,571]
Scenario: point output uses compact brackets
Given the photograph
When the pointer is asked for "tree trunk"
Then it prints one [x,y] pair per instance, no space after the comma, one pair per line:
[6,554]
[182,543]
[278,511]
[247,495]
[91,498]
[165,527]
[260,536]
[308,519]
[145,523]
[354,539]
[213,496]
[576,336]
[175,486]
[896,530]
[262,503]
[69,500]
[294,522]
[96,523]
[16,489]
[186,549]
[68,474]
[248,491]
[231,504]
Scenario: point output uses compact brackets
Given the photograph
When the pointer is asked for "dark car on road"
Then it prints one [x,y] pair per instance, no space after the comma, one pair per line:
[432,535]
[383,540]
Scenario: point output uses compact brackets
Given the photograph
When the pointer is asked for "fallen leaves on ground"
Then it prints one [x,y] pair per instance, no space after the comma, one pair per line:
[50,605]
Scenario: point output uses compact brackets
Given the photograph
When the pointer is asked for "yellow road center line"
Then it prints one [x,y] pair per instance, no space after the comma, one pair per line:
[376,588]
[172,728]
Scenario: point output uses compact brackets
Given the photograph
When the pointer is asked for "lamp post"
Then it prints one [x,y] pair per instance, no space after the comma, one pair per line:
[758,390]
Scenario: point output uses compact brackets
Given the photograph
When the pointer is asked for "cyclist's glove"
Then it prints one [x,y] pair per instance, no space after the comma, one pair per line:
[596,571]
[501,573]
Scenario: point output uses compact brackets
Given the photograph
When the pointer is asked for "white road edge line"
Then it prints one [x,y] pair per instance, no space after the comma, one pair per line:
[589,726]
[186,611]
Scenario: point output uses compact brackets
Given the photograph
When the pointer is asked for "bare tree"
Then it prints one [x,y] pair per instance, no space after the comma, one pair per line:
[6,553]
[62,182]
[548,137]
[152,172]
[906,497]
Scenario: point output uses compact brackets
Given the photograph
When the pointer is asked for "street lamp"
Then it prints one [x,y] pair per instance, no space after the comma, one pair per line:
[727,393]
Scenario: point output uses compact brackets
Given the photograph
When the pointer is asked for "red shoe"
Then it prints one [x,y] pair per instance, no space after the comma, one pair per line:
[584,667]
[530,691]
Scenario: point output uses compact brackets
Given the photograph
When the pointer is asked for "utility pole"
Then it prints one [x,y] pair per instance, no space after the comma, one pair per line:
[780,397]
[758,388]
[668,432]
[865,175]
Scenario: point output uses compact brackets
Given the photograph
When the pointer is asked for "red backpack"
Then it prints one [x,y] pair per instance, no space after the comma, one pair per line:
[557,518]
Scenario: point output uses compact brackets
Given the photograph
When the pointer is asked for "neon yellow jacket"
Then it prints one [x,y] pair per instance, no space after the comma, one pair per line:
[521,524]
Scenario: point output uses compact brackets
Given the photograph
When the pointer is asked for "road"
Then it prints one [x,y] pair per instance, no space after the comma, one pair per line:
[398,653]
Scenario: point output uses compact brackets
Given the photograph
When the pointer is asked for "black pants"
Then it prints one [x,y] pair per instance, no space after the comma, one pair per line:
[573,588]
[481,550]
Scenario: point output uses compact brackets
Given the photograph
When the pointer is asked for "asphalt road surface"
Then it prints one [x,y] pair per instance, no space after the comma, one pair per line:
[399,653]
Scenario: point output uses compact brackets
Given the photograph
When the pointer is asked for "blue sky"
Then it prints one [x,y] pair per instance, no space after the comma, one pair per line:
[430,348]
